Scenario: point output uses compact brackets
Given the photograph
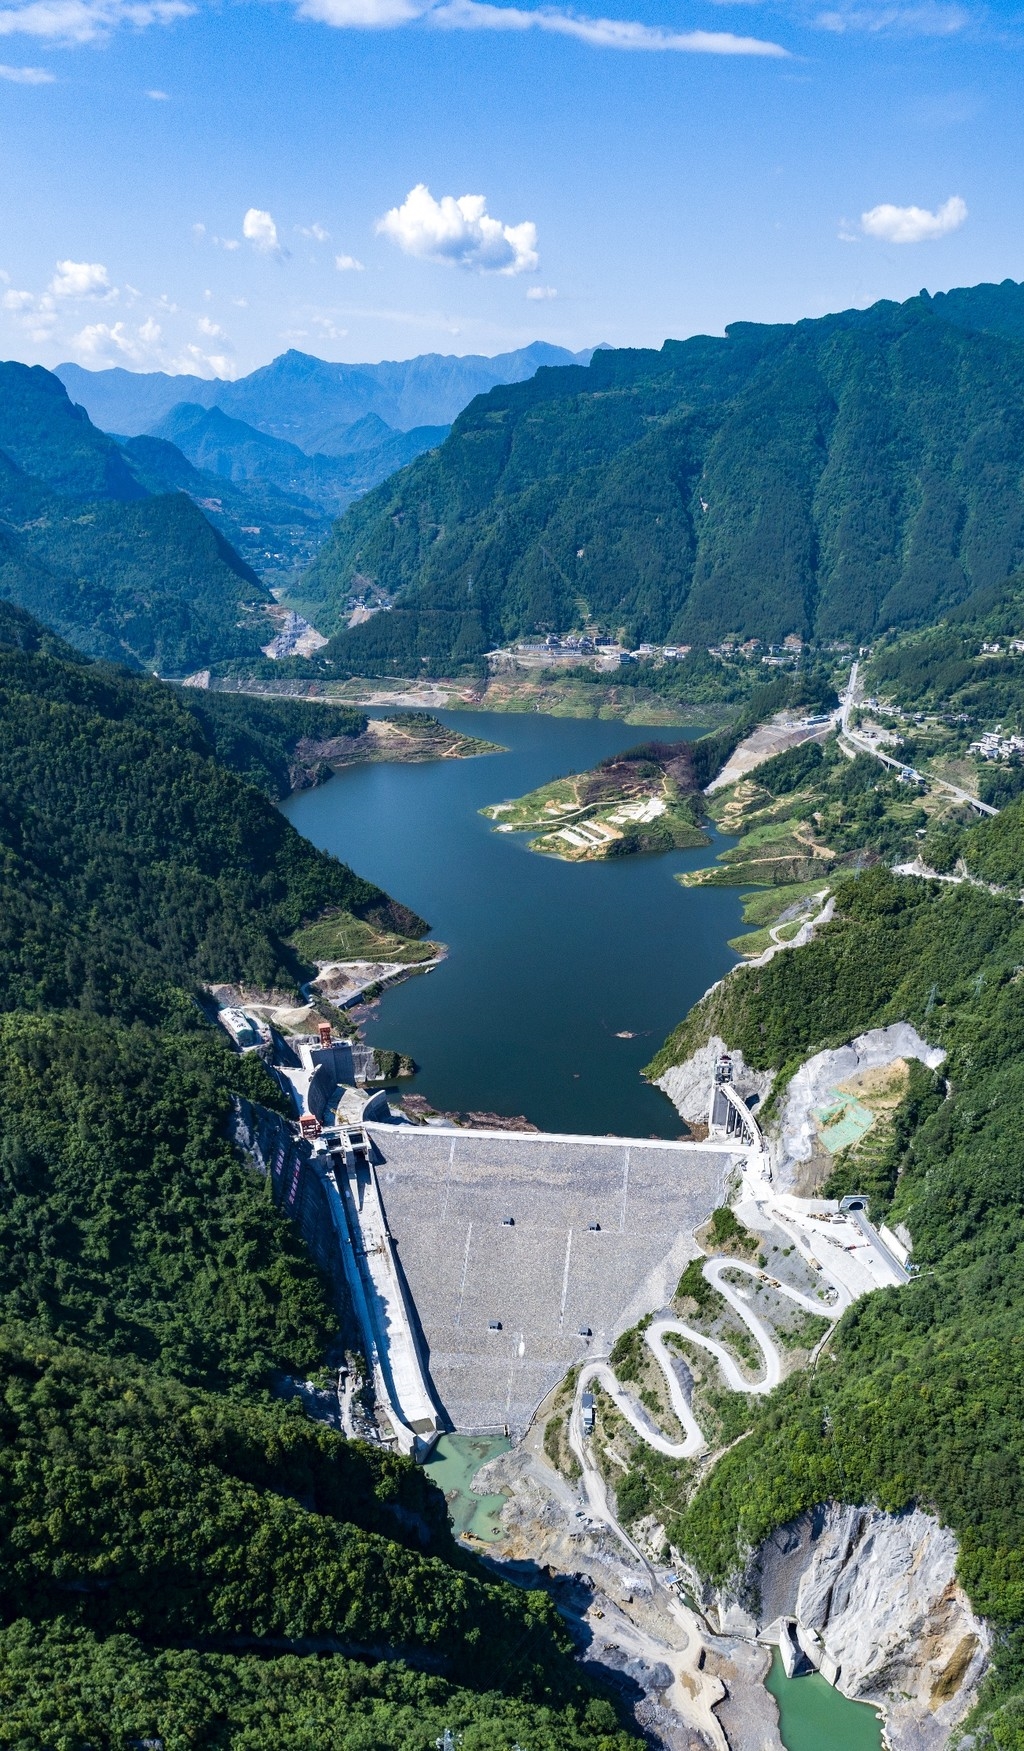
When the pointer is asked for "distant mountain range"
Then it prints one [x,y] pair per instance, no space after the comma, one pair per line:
[832,478]
[308,401]
[238,452]
[104,545]
[297,440]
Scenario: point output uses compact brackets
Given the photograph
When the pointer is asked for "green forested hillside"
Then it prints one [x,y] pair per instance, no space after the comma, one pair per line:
[46,436]
[124,574]
[184,1557]
[274,532]
[921,1395]
[133,860]
[833,478]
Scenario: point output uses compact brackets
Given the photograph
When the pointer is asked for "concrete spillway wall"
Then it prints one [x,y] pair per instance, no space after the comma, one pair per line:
[363,1244]
[298,1191]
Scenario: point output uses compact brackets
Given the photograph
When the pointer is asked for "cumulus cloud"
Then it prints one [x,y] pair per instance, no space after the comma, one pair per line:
[210,329]
[914,224]
[604,33]
[158,96]
[258,228]
[27,75]
[86,21]
[103,343]
[81,279]
[362,14]
[318,233]
[347,264]
[536,293]
[460,232]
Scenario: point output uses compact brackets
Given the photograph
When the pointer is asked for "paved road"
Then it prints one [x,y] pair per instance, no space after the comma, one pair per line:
[654,1336]
[861,746]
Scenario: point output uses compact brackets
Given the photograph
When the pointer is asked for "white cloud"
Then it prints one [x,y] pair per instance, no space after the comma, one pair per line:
[27,75]
[81,279]
[209,328]
[18,300]
[316,232]
[86,21]
[258,228]
[347,264]
[460,232]
[602,33]
[158,96]
[914,224]
[102,343]
[605,33]
[929,18]
[538,292]
[361,14]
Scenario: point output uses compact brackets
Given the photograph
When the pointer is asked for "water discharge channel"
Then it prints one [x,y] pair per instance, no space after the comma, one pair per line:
[550,965]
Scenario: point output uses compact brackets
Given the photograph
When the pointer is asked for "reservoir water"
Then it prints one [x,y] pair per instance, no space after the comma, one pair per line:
[549,962]
[813,1716]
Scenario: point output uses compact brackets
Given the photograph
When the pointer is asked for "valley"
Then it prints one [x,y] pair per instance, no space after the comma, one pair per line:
[545,981]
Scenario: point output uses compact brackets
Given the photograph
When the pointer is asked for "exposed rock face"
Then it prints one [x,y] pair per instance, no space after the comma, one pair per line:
[688,1085]
[814,1081]
[876,1594]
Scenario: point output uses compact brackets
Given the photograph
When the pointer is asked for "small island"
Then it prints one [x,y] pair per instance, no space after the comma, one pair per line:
[644,799]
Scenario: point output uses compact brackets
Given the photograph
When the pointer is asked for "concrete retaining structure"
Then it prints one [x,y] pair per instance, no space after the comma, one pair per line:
[525,1253]
[388,1321]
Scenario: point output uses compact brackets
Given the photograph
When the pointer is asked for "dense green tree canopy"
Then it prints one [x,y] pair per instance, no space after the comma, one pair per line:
[129,857]
[833,478]
[184,1555]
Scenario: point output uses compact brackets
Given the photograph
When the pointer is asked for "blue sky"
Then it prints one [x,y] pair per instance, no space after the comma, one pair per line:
[182,179]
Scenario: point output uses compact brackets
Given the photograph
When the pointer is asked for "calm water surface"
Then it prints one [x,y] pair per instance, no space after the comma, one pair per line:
[548,961]
[815,1717]
[453,1465]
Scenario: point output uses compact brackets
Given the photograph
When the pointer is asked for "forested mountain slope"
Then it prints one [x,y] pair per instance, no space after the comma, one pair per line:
[920,1397]
[122,573]
[239,452]
[832,478]
[184,1557]
[131,858]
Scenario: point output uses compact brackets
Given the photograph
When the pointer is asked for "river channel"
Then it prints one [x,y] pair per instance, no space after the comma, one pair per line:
[549,963]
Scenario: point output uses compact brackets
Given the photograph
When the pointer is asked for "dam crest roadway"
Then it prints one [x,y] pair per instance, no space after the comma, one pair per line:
[484,1265]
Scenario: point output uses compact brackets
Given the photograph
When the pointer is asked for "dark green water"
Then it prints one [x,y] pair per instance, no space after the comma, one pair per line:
[548,961]
[814,1716]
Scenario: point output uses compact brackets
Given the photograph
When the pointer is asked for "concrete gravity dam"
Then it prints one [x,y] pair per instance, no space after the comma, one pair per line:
[524,1254]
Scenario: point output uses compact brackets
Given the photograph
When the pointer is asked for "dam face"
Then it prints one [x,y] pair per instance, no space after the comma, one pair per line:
[600,1232]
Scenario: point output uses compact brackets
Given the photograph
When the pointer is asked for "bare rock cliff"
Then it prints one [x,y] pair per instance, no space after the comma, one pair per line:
[872,1599]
